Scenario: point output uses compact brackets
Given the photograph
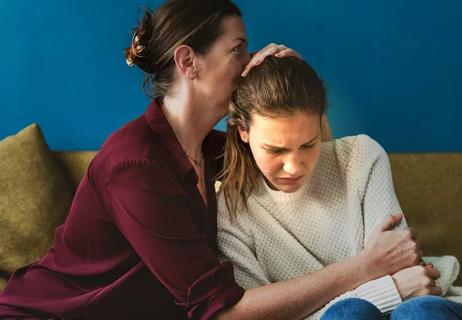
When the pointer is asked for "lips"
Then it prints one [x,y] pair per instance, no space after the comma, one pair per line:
[290,180]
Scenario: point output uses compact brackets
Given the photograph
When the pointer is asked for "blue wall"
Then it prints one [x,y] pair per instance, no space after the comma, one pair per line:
[393,67]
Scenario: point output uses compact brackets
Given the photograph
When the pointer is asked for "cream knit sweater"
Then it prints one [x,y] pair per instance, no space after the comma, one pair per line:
[285,235]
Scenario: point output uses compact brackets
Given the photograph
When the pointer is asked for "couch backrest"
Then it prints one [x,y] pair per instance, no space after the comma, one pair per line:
[75,163]
[428,186]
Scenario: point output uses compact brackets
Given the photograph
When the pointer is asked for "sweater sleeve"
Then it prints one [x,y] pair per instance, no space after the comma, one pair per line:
[369,165]
[375,185]
[378,198]
[379,201]
[235,244]
[380,292]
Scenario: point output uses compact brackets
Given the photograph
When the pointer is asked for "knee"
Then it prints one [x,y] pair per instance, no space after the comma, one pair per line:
[352,308]
[427,307]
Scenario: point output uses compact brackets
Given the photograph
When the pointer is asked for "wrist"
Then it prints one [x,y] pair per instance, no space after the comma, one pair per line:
[395,281]
[364,267]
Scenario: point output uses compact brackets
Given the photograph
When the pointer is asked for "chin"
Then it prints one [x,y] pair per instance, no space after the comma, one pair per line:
[285,187]
[289,189]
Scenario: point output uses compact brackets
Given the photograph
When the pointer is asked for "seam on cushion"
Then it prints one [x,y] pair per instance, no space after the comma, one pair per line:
[4,274]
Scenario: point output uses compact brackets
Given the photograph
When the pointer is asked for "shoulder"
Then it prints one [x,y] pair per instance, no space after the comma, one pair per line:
[351,144]
[135,139]
[361,157]
[353,150]
[132,146]
[352,158]
[225,224]
[223,215]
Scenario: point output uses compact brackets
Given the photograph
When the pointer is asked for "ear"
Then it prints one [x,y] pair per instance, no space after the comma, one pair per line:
[244,134]
[185,61]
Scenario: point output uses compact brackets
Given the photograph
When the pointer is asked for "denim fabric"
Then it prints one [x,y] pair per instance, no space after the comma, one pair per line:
[353,308]
[427,308]
[422,308]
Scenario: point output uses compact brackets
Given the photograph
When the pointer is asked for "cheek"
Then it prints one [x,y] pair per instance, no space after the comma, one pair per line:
[268,165]
[234,69]
[312,157]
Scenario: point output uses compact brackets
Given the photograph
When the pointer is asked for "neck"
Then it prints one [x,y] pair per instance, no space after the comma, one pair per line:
[191,120]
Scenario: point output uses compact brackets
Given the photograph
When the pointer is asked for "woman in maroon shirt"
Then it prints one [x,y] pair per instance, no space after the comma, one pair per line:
[139,241]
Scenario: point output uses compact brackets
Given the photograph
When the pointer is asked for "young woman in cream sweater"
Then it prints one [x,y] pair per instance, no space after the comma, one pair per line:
[291,205]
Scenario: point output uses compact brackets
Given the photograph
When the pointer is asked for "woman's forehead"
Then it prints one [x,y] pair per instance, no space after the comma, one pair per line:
[277,128]
[233,29]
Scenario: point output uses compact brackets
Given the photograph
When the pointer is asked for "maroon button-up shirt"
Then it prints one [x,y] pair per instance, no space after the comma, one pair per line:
[138,243]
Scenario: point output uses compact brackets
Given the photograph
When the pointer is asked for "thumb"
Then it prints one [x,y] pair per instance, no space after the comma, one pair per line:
[433,273]
[391,222]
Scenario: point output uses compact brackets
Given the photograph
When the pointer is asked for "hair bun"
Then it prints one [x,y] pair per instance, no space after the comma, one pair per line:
[137,53]
[134,51]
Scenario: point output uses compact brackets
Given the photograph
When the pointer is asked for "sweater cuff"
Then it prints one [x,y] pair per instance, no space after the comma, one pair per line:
[381,292]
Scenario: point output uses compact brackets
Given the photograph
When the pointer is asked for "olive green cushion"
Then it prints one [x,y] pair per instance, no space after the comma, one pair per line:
[2,283]
[34,198]
[74,164]
[429,189]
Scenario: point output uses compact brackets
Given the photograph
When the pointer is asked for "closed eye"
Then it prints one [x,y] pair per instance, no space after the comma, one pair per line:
[307,146]
[275,151]
[240,47]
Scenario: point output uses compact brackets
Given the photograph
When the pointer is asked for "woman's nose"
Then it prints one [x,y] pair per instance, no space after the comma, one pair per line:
[245,58]
[293,166]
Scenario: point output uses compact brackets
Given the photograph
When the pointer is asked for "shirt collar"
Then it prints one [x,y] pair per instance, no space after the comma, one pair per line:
[166,138]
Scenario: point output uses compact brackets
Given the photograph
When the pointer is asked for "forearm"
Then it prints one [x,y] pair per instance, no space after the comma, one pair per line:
[301,296]
[381,292]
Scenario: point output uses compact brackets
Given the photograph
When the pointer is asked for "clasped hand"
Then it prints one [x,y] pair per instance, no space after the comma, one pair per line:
[394,252]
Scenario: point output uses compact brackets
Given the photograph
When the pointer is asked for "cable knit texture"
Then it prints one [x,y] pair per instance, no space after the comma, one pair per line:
[285,235]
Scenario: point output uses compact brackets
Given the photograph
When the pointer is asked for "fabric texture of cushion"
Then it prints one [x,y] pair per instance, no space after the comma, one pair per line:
[34,199]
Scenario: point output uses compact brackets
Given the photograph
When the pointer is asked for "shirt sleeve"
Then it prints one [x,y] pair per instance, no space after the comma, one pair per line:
[149,207]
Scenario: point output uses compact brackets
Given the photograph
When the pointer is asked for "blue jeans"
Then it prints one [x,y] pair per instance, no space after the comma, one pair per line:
[422,308]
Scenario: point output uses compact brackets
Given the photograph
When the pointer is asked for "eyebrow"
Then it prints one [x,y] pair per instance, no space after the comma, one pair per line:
[266,145]
[241,39]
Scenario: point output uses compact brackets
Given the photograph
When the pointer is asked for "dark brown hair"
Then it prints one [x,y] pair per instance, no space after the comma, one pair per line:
[196,23]
[276,87]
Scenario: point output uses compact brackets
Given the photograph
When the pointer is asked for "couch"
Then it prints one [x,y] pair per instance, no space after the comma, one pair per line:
[428,185]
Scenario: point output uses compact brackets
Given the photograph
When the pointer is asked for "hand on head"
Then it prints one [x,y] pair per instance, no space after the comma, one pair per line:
[277,50]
